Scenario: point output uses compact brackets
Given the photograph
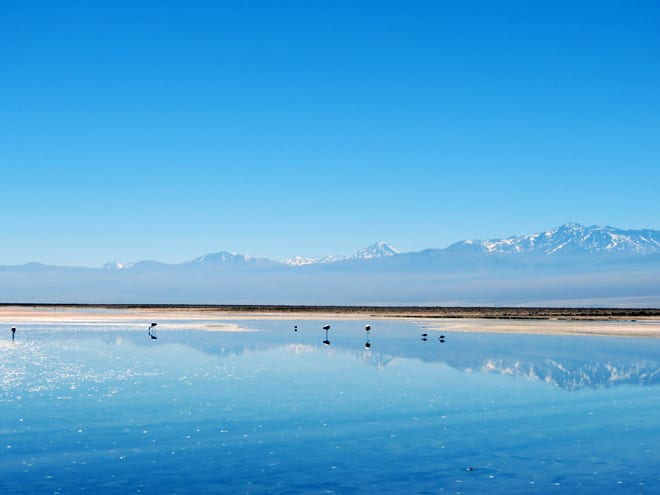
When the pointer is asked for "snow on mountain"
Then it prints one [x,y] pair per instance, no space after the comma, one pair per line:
[301,260]
[116,265]
[572,238]
[377,250]
[225,257]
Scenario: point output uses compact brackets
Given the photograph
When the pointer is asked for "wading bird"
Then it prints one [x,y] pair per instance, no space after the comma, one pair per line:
[151,331]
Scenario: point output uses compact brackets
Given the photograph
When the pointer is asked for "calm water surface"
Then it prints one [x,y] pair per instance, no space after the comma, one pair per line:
[108,410]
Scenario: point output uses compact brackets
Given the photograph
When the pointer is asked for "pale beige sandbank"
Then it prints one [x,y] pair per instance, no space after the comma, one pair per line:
[215,320]
[624,328]
[137,318]
[133,318]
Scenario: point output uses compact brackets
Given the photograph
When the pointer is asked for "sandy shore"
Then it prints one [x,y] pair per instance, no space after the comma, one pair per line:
[581,322]
[629,328]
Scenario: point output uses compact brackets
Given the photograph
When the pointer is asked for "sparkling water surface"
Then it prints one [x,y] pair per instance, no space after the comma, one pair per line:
[105,409]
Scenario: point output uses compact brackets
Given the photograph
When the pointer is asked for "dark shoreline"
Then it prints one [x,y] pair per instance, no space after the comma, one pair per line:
[541,313]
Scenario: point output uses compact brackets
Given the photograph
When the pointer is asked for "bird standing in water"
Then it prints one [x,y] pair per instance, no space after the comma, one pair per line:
[151,333]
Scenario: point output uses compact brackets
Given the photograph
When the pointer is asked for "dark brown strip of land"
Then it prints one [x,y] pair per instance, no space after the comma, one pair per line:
[388,311]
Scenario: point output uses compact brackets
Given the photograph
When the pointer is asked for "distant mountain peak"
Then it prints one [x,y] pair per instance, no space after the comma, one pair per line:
[379,249]
[116,265]
[226,257]
[302,260]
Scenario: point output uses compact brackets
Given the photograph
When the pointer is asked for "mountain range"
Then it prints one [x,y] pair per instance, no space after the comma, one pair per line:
[568,239]
[573,238]
[376,250]
[570,265]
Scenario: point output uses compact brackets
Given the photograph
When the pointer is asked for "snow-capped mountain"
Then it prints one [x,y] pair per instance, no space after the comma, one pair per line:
[225,257]
[378,250]
[572,238]
[116,265]
[301,260]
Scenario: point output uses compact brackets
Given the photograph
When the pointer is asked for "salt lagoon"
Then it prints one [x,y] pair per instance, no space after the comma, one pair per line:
[258,405]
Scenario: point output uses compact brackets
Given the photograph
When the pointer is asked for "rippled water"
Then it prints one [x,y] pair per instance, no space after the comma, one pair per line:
[107,410]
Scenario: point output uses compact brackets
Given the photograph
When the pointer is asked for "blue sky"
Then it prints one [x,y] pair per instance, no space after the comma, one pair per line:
[166,130]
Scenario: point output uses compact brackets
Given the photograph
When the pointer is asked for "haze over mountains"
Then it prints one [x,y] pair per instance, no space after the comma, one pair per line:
[571,265]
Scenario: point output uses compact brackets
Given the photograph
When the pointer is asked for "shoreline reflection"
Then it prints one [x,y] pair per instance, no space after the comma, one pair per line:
[569,362]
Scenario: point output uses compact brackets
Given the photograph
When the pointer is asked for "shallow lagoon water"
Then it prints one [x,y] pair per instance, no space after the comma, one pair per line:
[105,409]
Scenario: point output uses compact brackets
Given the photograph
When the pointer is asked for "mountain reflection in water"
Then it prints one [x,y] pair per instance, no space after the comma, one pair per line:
[570,362]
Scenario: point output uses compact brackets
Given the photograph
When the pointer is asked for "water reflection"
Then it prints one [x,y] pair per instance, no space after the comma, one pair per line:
[276,411]
[570,362]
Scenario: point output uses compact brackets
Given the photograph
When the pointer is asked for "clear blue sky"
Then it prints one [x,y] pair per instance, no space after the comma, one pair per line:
[169,129]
